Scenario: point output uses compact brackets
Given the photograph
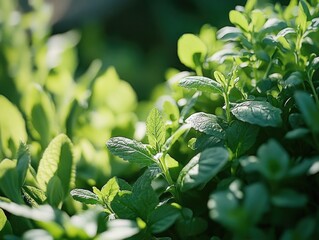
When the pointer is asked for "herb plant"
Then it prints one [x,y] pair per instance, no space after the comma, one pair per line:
[231,150]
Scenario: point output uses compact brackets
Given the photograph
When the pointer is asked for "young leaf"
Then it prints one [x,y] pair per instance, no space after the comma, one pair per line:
[206,123]
[308,109]
[220,78]
[257,112]
[274,160]
[130,150]
[191,50]
[57,160]
[202,168]
[241,136]
[203,84]
[85,196]
[155,129]
[112,187]
[163,217]
[237,18]
[303,15]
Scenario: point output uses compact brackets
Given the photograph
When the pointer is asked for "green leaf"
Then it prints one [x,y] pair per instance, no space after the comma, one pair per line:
[12,128]
[163,217]
[220,78]
[257,112]
[293,80]
[122,205]
[229,33]
[206,123]
[303,15]
[119,229]
[297,133]
[34,196]
[241,136]
[289,198]
[256,201]
[44,213]
[112,187]
[203,141]
[308,109]
[202,168]
[191,50]
[155,129]
[144,197]
[130,150]
[40,113]
[203,84]
[274,160]
[175,136]
[194,225]
[23,162]
[57,160]
[5,227]
[85,196]
[224,208]
[54,193]
[237,18]
[258,19]
[250,4]
[9,180]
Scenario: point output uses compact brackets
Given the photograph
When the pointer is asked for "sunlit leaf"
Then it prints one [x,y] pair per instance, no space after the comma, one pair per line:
[202,168]
[259,113]
[191,50]
[57,160]
[130,150]
[12,128]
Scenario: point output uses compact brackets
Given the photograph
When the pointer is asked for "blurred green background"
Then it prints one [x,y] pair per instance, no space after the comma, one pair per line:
[138,37]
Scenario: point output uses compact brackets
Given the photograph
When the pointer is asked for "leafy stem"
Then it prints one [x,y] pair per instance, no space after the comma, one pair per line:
[167,175]
[270,63]
[309,80]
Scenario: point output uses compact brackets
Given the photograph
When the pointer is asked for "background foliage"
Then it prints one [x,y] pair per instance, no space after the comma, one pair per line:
[230,150]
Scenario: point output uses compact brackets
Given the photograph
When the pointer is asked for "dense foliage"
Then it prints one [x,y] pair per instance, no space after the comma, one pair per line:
[231,150]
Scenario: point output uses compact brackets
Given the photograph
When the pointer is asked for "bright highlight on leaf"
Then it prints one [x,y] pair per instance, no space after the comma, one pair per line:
[56,171]
[191,50]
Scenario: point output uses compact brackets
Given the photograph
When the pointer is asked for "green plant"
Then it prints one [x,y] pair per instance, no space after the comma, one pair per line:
[234,150]
[231,153]
[43,94]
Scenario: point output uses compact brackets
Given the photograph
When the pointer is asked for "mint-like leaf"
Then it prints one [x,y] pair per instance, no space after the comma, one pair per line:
[130,150]
[257,112]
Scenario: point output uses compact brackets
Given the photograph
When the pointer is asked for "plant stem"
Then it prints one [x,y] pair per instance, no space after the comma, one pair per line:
[313,89]
[227,105]
[168,178]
